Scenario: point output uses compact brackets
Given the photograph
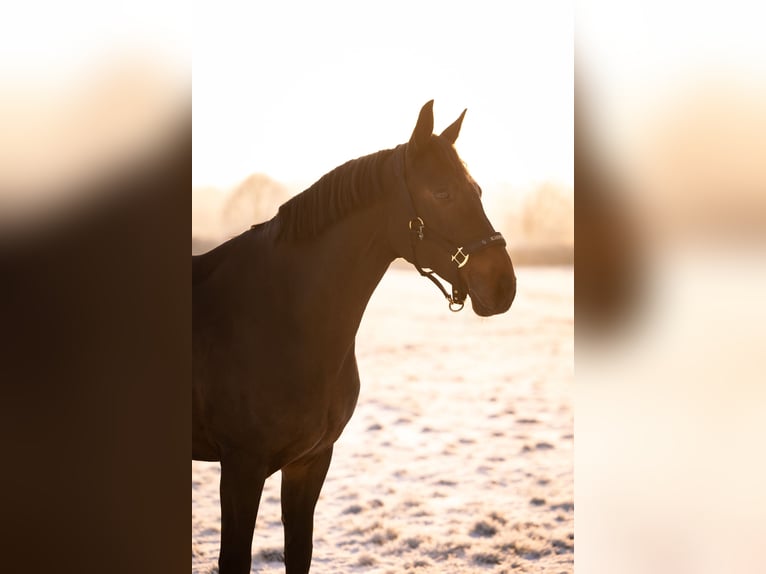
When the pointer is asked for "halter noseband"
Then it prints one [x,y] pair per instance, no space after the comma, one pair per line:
[459,254]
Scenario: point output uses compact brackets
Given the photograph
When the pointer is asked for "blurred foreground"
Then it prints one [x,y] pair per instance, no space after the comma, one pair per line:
[95,328]
[671,274]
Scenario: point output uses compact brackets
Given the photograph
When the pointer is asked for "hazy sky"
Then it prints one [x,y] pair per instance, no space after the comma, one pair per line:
[293,89]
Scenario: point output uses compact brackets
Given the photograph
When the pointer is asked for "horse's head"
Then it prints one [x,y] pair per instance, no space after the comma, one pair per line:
[445,228]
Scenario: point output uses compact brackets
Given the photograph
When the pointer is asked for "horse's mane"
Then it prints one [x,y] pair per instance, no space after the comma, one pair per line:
[354,185]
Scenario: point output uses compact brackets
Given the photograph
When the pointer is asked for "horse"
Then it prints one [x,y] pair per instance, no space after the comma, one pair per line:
[276,310]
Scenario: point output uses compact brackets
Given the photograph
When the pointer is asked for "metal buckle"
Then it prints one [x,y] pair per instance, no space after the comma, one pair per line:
[459,253]
[419,229]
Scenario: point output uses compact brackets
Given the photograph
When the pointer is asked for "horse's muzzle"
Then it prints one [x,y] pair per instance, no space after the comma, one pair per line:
[495,297]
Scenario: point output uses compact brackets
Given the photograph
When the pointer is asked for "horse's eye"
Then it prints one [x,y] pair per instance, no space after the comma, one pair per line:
[441,194]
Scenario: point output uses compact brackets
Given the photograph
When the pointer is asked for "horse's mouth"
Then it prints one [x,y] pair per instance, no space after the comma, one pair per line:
[493,298]
[482,309]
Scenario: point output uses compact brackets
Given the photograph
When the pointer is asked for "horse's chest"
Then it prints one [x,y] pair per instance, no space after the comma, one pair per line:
[336,405]
[283,413]
[320,419]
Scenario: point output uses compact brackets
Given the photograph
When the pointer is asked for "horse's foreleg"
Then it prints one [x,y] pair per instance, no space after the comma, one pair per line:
[301,483]
[242,481]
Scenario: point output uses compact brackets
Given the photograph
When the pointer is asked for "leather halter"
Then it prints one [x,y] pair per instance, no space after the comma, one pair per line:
[459,254]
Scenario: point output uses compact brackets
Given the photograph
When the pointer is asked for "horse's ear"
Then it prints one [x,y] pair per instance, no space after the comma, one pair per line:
[451,133]
[424,128]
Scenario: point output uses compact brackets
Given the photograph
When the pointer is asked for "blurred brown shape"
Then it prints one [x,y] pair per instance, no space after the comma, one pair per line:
[607,253]
[59,142]
[95,324]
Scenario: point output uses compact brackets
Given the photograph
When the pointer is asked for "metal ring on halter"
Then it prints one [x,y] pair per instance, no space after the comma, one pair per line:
[456,306]
[420,226]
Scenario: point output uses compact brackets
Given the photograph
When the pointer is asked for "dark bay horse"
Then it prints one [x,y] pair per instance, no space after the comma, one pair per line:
[276,311]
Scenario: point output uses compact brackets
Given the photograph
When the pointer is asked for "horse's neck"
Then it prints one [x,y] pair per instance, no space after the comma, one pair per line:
[345,265]
[314,289]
